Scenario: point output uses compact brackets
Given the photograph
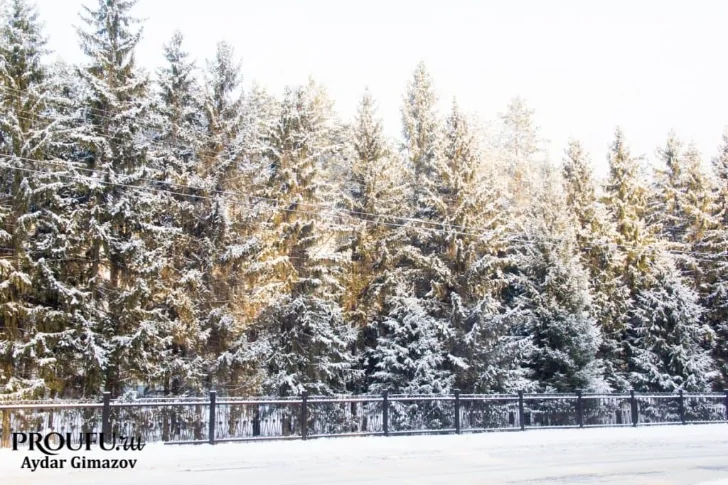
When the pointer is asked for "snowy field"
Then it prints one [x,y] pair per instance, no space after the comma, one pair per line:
[659,455]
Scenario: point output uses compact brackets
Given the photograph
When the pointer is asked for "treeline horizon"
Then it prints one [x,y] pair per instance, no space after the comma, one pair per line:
[173,232]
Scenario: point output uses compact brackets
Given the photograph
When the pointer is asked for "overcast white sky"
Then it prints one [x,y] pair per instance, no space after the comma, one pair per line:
[584,66]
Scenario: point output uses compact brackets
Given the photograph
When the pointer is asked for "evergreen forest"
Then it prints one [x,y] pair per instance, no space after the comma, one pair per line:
[173,232]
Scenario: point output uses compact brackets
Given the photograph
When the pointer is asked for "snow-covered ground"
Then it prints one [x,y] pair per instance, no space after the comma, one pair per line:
[685,455]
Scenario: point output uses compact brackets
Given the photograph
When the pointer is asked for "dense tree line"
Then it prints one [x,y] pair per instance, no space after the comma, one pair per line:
[171,231]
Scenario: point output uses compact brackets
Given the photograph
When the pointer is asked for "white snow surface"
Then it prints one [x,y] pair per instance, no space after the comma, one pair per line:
[679,455]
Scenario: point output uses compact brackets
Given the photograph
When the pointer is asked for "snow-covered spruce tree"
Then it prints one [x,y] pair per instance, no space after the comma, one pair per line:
[521,153]
[682,205]
[33,318]
[595,239]
[668,211]
[498,343]
[504,344]
[699,205]
[261,113]
[227,226]
[178,131]
[299,227]
[410,355]
[626,197]
[126,229]
[21,78]
[179,121]
[466,195]
[411,334]
[472,244]
[302,345]
[44,236]
[375,195]
[664,340]
[684,212]
[668,338]
[223,102]
[298,269]
[421,130]
[419,254]
[408,341]
[714,248]
[555,300]
[25,82]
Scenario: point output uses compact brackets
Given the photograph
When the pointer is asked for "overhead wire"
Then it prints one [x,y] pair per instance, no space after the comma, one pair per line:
[236,197]
[228,195]
[511,239]
[309,204]
[263,198]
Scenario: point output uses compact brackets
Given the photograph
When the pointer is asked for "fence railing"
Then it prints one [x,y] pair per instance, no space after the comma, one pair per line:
[214,419]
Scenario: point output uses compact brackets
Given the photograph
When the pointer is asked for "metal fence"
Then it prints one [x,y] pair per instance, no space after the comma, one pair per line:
[215,420]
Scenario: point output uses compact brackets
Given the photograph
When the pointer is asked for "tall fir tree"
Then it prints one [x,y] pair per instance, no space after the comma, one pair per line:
[626,197]
[595,238]
[375,194]
[664,340]
[521,151]
[472,244]
[555,301]
[226,223]
[178,136]
[683,210]
[669,210]
[413,325]
[298,264]
[35,301]
[714,247]
[421,130]
[179,121]
[465,194]
[682,204]
[122,226]
[698,202]
[222,105]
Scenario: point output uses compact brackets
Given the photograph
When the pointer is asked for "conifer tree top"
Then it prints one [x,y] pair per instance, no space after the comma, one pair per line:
[112,35]
[22,44]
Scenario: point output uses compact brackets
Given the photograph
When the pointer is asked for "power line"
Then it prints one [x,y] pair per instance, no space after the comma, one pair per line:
[400,218]
[226,197]
[236,196]
[228,193]
[84,108]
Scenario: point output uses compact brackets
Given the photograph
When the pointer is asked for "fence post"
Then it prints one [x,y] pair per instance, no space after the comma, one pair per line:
[457,411]
[521,412]
[681,406]
[726,404]
[385,412]
[635,410]
[5,426]
[256,421]
[304,415]
[211,430]
[579,409]
[106,418]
